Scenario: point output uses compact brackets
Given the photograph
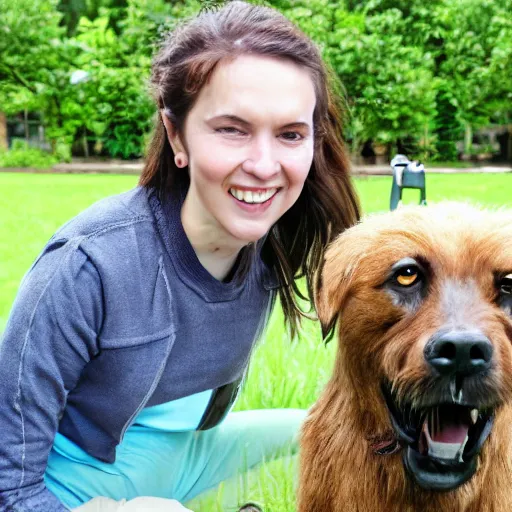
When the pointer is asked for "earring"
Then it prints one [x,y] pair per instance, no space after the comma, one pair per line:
[181,160]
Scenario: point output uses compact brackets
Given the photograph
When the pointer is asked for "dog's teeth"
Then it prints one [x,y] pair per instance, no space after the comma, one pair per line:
[474,415]
[453,389]
[461,452]
[456,395]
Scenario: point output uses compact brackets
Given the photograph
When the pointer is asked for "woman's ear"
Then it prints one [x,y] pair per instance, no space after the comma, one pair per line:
[172,134]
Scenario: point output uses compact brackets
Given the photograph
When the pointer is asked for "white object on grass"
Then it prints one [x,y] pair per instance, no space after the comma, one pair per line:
[141,504]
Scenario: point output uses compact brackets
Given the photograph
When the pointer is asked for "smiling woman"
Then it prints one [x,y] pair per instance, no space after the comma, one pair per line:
[267,68]
[249,146]
[132,332]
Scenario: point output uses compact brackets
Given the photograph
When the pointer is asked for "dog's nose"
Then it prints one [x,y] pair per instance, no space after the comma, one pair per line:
[459,352]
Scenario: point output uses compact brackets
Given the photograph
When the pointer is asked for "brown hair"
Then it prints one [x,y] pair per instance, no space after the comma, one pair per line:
[328,203]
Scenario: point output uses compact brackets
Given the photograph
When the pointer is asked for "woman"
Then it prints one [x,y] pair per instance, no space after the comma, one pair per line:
[132,331]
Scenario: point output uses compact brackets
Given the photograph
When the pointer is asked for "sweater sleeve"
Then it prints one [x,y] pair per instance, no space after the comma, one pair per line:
[49,338]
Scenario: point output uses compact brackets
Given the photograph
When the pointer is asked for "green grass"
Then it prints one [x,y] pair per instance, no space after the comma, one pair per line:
[282,373]
[32,207]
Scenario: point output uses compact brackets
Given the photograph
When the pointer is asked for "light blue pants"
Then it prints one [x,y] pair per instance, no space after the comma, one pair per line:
[177,465]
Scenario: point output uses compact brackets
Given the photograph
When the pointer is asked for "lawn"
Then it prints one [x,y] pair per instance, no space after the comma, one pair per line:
[283,374]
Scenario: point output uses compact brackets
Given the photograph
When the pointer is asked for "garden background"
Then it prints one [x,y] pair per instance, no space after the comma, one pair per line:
[421,77]
[431,79]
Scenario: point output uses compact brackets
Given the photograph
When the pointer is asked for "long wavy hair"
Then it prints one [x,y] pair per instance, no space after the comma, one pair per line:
[328,204]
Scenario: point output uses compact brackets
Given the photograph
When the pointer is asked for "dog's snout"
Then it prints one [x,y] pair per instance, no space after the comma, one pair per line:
[459,352]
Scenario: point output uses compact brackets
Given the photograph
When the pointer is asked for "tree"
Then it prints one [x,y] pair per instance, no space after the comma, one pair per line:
[389,82]
[30,45]
[34,60]
[113,106]
[477,58]
[410,69]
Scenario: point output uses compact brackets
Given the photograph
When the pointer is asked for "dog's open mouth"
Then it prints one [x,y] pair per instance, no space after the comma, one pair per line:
[441,441]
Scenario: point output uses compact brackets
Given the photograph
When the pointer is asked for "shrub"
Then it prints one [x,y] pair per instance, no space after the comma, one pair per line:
[21,155]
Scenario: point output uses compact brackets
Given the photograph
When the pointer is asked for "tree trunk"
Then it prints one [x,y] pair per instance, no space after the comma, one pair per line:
[468,139]
[3,131]
[27,131]
[509,144]
[85,144]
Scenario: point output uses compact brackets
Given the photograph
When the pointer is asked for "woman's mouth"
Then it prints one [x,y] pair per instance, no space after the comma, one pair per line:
[253,196]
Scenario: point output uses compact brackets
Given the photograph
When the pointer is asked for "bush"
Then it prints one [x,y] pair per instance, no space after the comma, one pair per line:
[21,155]
[62,151]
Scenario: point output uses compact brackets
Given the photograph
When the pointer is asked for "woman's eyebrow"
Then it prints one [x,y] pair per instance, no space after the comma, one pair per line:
[229,117]
[297,124]
[235,119]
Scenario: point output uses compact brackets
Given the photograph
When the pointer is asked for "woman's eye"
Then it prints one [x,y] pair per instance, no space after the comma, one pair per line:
[506,285]
[292,136]
[230,130]
[407,276]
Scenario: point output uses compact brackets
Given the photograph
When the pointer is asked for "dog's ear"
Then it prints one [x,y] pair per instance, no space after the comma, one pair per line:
[325,311]
[336,276]
[332,289]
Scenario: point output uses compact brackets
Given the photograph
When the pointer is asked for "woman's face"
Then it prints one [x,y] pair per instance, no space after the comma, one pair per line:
[249,141]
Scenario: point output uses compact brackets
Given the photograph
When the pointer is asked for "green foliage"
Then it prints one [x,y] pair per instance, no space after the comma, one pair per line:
[111,105]
[62,151]
[111,108]
[447,127]
[29,37]
[390,84]
[477,56]
[21,155]
[412,71]
[31,51]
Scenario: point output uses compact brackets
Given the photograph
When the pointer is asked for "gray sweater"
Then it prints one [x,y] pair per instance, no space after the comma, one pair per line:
[117,314]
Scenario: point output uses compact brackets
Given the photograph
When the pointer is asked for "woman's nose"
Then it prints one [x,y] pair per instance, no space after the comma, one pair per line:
[262,160]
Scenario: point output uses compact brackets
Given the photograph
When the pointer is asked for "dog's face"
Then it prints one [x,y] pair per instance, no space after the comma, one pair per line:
[422,298]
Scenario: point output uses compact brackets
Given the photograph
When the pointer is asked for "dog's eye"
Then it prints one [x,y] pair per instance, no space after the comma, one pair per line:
[506,285]
[407,276]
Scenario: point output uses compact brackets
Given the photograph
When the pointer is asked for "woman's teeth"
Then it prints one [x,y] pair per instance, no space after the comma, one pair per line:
[252,197]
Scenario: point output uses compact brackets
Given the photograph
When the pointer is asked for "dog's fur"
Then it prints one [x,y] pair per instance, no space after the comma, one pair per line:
[379,337]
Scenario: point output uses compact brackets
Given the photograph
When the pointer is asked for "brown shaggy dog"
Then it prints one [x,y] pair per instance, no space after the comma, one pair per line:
[418,413]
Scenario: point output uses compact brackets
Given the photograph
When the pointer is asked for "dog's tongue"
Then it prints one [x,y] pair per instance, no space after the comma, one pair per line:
[451,434]
[446,433]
